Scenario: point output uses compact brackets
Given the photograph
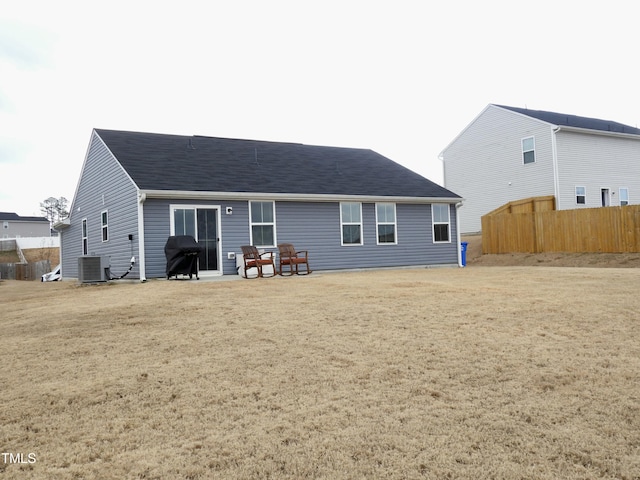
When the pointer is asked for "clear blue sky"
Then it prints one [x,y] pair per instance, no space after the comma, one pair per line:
[402,78]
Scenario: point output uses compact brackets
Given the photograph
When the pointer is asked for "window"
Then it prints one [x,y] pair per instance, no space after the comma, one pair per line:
[85,238]
[184,221]
[528,150]
[263,226]
[351,222]
[441,221]
[386,222]
[624,196]
[581,195]
[104,218]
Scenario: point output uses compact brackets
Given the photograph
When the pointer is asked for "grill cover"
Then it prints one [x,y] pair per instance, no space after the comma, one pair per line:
[182,255]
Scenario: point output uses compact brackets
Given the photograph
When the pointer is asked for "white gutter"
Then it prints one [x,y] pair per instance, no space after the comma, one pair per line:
[458,205]
[141,257]
[195,195]
[590,131]
[59,226]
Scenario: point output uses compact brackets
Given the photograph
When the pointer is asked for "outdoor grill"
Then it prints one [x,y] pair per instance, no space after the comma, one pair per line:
[182,256]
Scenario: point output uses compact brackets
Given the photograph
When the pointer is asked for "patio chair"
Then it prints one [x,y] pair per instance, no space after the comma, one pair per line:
[253,259]
[289,256]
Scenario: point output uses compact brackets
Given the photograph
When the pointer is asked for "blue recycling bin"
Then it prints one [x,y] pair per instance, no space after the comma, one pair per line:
[463,250]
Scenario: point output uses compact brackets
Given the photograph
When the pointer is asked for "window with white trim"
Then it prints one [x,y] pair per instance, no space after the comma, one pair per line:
[184,221]
[262,217]
[528,150]
[441,222]
[104,221]
[624,196]
[85,238]
[351,223]
[581,195]
[386,223]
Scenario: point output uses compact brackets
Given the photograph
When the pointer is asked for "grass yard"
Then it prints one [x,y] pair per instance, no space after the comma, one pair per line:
[476,373]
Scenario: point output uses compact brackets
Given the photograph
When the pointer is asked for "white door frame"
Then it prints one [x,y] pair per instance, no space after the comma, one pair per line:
[183,206]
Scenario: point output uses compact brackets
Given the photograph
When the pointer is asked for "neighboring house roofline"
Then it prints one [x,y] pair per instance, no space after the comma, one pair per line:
[588,131]
[560,121]
[14,217]
[568,121]
[441,154]
[196,195]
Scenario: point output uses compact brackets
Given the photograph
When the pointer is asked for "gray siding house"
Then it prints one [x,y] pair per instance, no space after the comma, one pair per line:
[350,208]
[508,153]
[15,226]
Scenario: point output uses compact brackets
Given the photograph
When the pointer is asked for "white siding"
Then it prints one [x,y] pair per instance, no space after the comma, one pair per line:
[596,162]
[484,163]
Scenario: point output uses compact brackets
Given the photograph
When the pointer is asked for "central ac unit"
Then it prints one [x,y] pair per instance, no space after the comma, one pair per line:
[92,269]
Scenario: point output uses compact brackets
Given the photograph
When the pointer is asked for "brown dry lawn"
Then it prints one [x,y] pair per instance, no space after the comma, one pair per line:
[475,373]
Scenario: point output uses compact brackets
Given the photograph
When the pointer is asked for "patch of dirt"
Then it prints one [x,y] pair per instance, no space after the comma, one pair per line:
[9,257]
[38,254]
[602,260]
[32,255]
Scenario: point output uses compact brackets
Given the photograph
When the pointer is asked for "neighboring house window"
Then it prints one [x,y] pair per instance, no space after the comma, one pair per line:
[624,196]
[105,226]
[85,238]
[581,195]
[441,222]
[528,150]
[386,222]
[351,222]
[263,225]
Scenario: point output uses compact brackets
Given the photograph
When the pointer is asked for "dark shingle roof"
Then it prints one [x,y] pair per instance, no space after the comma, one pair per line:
[197,163]
[562,119]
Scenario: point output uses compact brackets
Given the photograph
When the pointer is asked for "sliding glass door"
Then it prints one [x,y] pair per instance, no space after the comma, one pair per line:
[203,224]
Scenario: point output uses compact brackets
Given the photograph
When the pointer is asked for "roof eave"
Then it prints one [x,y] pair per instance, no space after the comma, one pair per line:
[62,224]
[590,131]
[288,197]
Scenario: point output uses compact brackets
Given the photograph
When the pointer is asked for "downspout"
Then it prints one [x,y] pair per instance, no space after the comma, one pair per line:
[59,227]
[556,175]
[141,265]
[458,205]
[60,257]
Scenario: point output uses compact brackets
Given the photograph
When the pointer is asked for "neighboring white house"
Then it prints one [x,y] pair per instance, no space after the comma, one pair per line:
[509,153]
[15,226]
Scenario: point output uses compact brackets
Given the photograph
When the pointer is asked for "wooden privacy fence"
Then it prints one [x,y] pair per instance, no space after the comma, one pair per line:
[527,205]
[24,271]
[591,230]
